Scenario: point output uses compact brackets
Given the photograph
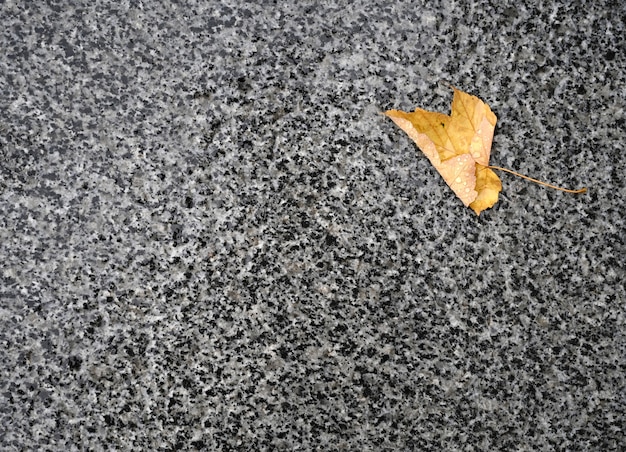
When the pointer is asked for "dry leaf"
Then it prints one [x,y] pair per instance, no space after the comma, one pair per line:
[458,146]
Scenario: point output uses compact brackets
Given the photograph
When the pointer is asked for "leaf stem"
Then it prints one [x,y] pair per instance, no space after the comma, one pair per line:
[580,190]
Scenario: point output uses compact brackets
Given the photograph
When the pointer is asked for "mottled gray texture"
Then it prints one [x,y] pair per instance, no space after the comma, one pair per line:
[211,240]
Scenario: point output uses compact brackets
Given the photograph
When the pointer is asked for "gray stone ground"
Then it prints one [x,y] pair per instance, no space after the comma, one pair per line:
[211,240]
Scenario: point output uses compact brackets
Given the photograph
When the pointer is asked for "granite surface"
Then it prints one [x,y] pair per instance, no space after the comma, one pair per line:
[211,240]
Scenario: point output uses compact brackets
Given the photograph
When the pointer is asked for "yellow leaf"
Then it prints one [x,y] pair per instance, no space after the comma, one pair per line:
[458,146]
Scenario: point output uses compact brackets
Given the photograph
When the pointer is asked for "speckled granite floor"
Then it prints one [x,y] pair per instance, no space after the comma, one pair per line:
[210,240]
